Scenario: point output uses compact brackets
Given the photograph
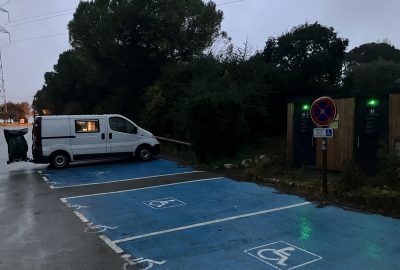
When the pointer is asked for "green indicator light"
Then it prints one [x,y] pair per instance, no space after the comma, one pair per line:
[305,107]
[372,102]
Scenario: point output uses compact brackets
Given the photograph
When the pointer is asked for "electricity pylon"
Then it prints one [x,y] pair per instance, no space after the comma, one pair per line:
[3,99]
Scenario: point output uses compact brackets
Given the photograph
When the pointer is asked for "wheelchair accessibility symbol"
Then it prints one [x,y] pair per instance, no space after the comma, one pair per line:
[164,203]
[283,256]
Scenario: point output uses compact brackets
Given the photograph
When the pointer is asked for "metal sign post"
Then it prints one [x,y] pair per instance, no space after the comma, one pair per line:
[324,146]
[323,113]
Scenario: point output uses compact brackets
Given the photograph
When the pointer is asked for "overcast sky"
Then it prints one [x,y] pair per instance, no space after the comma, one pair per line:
[36,45]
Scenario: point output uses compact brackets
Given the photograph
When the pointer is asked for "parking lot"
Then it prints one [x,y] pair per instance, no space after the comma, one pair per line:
[161,215]
[198,221]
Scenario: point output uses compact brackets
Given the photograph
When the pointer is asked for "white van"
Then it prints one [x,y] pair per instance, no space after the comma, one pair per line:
[59,140]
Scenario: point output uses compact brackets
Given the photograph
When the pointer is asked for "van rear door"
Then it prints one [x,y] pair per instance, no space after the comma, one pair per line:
[89,137]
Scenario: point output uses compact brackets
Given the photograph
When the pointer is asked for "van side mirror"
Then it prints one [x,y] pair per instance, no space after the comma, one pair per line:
[135,130]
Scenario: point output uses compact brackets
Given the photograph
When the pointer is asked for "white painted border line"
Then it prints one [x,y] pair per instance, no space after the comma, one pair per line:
[210,222]
[110,243]
[81,217]
[133,189]
[124,180]
[45,178]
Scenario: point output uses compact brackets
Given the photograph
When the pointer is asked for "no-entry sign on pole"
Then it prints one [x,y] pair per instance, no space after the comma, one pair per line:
[323,111]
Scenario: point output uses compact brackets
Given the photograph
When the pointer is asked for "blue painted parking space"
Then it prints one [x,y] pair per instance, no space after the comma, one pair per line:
[100,174]
[298,238]
[223,224]
[143,211]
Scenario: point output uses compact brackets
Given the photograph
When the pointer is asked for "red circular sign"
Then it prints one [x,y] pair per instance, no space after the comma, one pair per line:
[323,111]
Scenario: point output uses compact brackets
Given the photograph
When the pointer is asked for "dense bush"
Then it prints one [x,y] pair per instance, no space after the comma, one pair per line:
[215,128]
[350,178]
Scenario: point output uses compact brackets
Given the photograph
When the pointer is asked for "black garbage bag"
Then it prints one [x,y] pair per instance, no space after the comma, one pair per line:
[17,145]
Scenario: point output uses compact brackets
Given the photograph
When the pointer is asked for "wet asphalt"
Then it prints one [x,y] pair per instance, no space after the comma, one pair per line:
[38,232]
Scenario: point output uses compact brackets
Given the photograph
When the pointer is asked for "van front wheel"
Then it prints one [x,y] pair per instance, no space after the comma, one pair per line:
[59,160]
[143,153]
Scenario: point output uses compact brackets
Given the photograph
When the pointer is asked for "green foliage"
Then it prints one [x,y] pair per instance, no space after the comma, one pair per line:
[388,167]
[119,48]
[372,66]
[66,86]
[374,75]
[308,59]
[169,100]
[350,178]
[389,171]
[214,128]
[371,52]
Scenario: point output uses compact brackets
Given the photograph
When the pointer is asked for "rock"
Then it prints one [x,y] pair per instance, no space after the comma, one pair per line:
[264,159]
[230,166]
[246,162]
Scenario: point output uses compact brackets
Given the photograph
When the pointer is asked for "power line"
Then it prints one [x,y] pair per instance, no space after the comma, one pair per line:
[230,2]
[42,19]
[10,2]
[40,37]
[45,14]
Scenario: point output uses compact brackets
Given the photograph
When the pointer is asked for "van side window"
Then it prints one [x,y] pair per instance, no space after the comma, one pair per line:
[87,126]
[130,128]
[121,125]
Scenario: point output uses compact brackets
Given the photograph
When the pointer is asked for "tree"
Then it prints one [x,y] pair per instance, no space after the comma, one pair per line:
[119,49]
[16,111]
[372,66]
[308,59]
[370,52]
[376,75]
[71,82]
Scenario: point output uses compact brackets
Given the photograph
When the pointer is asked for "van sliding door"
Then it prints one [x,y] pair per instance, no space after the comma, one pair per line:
[90,137]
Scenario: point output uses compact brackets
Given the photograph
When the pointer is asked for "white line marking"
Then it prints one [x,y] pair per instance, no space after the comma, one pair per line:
[63,200]
[113,246]
[124,180]
[306,263]
[210,222]
[45,178]
[127,190]
[81,217]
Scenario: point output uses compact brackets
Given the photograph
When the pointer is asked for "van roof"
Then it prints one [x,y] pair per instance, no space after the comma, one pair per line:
[78,116]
